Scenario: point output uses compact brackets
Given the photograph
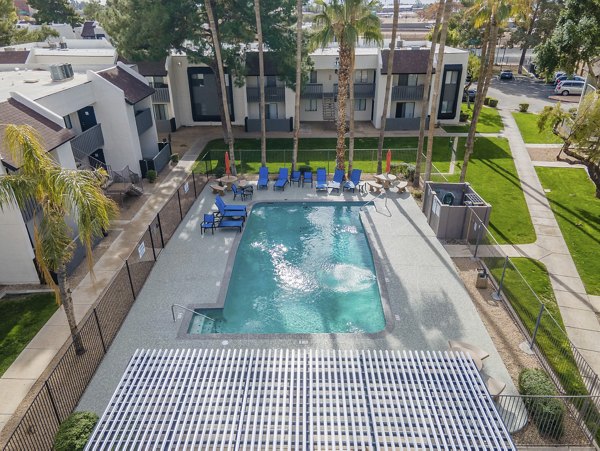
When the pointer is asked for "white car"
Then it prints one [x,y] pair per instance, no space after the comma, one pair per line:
[569,87]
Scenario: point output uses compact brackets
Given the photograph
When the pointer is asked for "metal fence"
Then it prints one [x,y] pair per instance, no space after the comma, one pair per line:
[574,378]
[60,392]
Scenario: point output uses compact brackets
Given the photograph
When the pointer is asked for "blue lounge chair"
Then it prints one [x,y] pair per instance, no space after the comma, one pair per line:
[308,178]
[352,184]
[240,192]
[230,211]
[321,179]
[338,177]
[282,180]
[238,223]
[295,178]
[263,177]
[208,223]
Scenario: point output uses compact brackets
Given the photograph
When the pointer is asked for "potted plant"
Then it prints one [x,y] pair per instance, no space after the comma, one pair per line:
[174,159]
[523,107]
[151,175]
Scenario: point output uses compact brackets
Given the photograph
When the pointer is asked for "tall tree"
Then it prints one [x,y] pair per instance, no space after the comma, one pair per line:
[60,193]
[298,82]
[94,10]
[54,11]
[261,83]
[388,87]
[437,89]
[345,21]
[426,94]
[8,18]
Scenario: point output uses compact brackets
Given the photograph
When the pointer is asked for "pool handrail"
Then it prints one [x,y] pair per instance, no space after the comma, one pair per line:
[189,310]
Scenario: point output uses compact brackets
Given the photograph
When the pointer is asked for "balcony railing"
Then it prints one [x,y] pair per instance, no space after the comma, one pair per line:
[407,92]
[272,125]
[143,120]
[404,123]
[272,94]
[312,91]
[161,95]
[89,141]
[361,90]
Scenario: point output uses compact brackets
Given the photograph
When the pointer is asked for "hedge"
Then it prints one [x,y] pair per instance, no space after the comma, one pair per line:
[546,413]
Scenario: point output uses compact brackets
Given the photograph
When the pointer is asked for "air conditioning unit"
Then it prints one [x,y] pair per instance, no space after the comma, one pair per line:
[60,72]
[399,43]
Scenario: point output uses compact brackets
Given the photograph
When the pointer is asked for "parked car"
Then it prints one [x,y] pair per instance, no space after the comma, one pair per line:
[568,77]
[558,74]
[506,75]
[569,87]
[471,94]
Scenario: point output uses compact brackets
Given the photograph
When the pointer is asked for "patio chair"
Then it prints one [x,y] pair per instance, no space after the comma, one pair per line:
[295,178]
[308,178]
[263,177]
[208,223]
[237,223]
[230,211]
[282,179]
[352,184]
[240,192]
[477,354]
[338,177]
[321,179]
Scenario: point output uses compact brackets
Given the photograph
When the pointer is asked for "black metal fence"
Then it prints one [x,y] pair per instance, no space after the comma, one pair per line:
[60,392]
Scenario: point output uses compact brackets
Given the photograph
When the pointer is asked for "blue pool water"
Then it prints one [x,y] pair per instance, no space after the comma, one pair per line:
[300,268]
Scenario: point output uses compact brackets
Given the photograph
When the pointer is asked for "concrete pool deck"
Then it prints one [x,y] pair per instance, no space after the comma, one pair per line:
[428,303]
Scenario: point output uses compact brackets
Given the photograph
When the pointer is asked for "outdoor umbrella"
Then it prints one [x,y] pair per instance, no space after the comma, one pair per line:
[388,161]
[227,165]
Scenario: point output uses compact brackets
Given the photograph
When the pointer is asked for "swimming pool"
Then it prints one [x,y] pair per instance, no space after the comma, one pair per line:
[300,268]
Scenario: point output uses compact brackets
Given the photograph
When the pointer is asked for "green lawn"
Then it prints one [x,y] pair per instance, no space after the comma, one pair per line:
[493,175]
[577,210]
[550,338]
[489,121]
[527,123]
[22,318]
[319,152]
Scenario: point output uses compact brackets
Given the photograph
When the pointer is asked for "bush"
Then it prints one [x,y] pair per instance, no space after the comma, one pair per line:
[486,101]
[395,168]
[407,170]
[151,175]
[304,169]
[493,103]
[175,158]
[219,172]
[75,431]
[417,194]
[523,107]
[464,117]
[546,413]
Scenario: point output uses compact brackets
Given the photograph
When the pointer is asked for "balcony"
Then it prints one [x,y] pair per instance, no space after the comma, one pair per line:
[312,91]
[161,95]
[361,90]
[143,120]
[404,123]
[272,125]
[411,93]
[272,94]
[89,141]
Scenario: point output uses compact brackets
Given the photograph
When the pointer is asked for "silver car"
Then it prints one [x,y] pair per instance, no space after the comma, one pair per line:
[569,87]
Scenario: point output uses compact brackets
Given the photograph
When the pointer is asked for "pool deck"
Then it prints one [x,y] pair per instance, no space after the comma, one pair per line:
[427,301]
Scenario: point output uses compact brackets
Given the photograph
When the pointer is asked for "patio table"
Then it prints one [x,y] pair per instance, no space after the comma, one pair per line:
[228,180]
[385,179]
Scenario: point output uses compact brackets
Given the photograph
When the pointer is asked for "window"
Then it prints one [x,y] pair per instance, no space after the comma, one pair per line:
[313,76]
[408,79]
[271,111]
[203,95]
[360,104]
[160,111]
[361,76]
[271,80]
[311,105]
[450,91]
[68,122]
[405,110]
[157,82]
[451,77]
[198,79]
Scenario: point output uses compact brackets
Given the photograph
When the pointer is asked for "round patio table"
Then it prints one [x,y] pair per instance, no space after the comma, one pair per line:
[385,179]
[228,180]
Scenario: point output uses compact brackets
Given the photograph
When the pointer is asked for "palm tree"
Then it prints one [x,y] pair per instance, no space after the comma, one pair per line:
[426,89]
[298,82]
[60,193]
[221,74]
[261,83]
[437,88]
[351,131]
[388,87]
[345,21]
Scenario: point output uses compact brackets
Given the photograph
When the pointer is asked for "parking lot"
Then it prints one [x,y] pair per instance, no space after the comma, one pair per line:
[510,93]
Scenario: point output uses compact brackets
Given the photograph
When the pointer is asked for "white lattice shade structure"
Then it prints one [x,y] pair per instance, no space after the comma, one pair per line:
[300,400]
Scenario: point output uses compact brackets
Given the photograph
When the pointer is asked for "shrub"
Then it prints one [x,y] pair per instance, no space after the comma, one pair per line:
[486,101]
[219,172]
[395,168]
[75,431]
[175,158]
[546,413]
[151,175]
[493,103]
[407,170]
[464,117]
[304,169]
[523,107]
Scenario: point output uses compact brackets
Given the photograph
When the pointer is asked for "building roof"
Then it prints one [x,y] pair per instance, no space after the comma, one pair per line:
[252,66]
[88,29]
[148,68]
[300,399]
[52,135]
[406,61]
[135,90]
[14,57]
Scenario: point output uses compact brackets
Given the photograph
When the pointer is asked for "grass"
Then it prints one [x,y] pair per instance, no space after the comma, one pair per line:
[319,152]
[489,121]
[22,318]
[527,123]
[550,337]
[577,210]
[493,175]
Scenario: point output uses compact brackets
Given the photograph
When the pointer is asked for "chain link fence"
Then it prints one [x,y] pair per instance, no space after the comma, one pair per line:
[59,393]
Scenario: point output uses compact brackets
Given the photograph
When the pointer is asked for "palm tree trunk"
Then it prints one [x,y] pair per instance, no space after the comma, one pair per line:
[487,63]
[298,82]
[388,87]
[261,83]
[351,140]
[426,89]
[437,88]
[342,97]
[530,29]
[67,302]
[217,48]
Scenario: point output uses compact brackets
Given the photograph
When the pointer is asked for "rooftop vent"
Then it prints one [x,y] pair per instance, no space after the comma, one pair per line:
[60,72]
